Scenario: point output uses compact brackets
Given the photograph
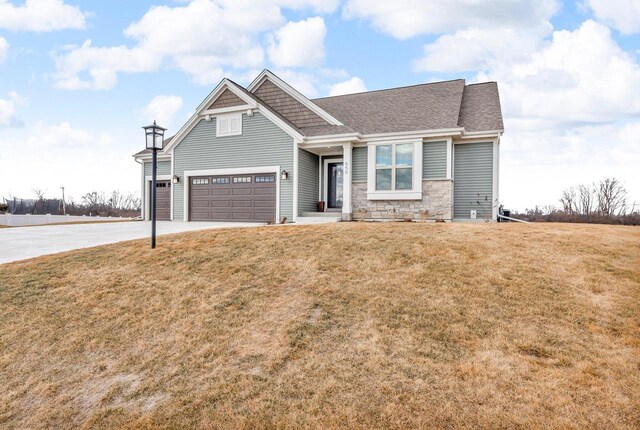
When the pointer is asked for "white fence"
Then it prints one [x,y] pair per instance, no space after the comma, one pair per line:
[21,220]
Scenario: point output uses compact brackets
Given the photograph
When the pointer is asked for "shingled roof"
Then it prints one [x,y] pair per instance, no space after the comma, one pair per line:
[432,106]
[480,109]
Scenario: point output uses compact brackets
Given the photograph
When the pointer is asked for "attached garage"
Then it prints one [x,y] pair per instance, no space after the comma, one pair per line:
[473,180]
[248,198]
[163,200]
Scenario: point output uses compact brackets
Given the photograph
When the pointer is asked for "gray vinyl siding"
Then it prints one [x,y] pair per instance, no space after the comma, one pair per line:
[164,168]
[434,160]
[473,175]
[262,143]
[308,185]
[359,161]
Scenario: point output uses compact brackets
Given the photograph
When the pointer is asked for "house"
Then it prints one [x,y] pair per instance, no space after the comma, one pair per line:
[267,152]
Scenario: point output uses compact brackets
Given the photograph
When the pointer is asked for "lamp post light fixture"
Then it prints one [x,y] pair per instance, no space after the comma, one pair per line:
[154,137]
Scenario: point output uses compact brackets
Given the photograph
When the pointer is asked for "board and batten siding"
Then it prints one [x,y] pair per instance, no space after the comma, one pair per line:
[308,176]
[434,160]
[262,143]
[164,168]
[473,180]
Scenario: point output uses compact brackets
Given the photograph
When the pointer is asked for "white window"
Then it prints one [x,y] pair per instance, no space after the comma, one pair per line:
[395,171]
[229,125]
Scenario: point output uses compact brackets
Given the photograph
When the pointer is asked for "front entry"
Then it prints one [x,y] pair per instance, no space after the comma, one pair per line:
[335,184]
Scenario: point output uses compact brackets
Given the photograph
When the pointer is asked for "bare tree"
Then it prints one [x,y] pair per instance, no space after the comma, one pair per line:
[568,200]
[611,197]
[585,200]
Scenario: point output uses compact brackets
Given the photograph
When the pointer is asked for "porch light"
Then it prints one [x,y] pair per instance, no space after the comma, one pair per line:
[154,136]
[176,179]
[284,175]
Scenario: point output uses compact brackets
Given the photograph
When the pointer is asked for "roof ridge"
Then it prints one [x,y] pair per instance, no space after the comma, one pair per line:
[389,89]
[481,83]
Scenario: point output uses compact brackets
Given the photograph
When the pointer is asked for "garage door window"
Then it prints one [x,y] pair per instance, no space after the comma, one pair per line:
[220,180]
[200,181]
[265,178]
[241,179]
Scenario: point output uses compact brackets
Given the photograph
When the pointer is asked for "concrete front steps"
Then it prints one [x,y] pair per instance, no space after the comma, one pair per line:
[319,217]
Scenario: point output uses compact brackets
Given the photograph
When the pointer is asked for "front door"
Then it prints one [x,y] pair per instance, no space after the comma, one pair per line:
[335,183]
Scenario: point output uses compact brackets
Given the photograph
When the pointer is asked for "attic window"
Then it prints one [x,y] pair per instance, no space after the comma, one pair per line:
[229,125]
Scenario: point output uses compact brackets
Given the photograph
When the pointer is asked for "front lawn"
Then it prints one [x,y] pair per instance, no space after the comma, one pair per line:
[348,325]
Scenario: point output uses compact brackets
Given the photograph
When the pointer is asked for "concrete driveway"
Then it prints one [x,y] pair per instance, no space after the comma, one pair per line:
[19,243]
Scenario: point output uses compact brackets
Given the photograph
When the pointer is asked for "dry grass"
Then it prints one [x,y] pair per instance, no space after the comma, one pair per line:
[350,325]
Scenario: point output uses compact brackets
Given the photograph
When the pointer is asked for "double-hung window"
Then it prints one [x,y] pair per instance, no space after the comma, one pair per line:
[395,171]
[394,167]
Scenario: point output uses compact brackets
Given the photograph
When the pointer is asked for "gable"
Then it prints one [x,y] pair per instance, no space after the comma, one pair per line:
[294,111]
[226,99]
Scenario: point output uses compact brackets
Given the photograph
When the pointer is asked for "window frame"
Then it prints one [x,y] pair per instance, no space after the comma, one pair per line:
[415,193]
[224,121]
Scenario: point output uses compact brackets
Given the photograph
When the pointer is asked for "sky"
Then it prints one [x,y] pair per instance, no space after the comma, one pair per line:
[78,79]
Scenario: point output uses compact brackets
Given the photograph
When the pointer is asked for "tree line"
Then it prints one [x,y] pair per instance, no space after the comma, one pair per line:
[115,203]
[603,202]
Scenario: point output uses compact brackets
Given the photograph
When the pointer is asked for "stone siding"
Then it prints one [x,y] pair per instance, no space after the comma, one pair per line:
[437,198]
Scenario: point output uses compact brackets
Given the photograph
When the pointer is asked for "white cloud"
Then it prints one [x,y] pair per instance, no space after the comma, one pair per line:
[63,135]
[407,18]
[299,44]
[622,14]
[4,47]
[102,65]
[350,86]
[581,75]
[8,106]
[162,109]
[571,116]
[40,16]
[482,48]
[82,160]
[203,38]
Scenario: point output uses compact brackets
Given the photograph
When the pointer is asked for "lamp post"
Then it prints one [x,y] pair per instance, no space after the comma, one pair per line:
[154,137]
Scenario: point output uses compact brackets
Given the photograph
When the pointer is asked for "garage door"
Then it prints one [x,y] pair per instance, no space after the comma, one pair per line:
[233,198]
[163,200]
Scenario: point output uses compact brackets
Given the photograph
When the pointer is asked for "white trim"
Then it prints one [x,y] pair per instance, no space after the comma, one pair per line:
[347,167]
[229,171]
[218,111]
[449,158]
[496,171]
[487,133]
[266,74]
[415,193]
[325,179]
[332,139]
[412,134]
[172,187]
[394,195]
[147,190]
[296,153]
[148,158]
[142,190]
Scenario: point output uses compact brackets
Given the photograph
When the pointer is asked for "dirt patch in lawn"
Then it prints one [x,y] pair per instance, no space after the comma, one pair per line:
[347,325]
